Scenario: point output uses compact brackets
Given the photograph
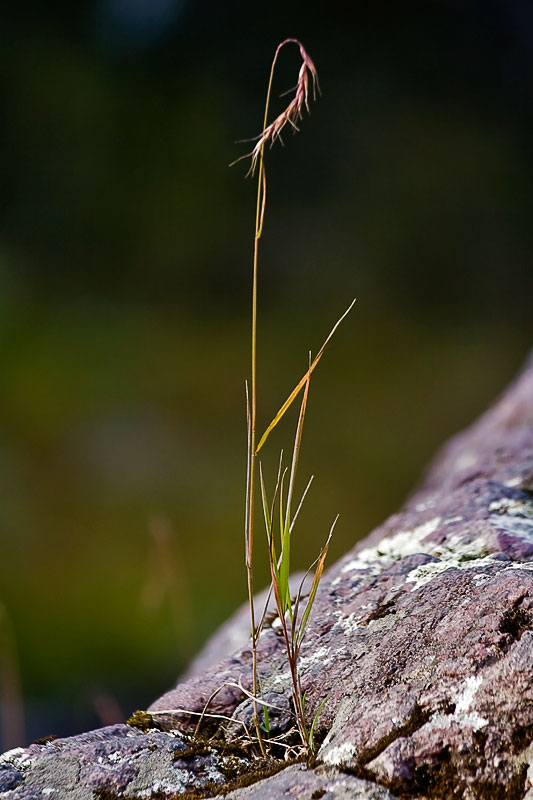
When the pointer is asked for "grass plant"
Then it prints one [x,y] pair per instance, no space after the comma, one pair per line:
[292,618]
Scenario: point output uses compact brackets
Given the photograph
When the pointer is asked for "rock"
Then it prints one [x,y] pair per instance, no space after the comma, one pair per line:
[300,783]
[420,643]
[117,761]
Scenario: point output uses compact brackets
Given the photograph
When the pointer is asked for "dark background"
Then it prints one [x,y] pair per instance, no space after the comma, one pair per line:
[125,256]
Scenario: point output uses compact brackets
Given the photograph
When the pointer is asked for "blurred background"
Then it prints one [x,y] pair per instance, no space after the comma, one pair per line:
[125,256]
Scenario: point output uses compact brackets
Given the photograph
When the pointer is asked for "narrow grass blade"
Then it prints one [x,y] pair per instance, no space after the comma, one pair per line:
[265,609]
[296,454]
[277,489]
[264,499]
[268,524]
[299,386]
[314,587]
[300,504]
[281,506]
[313,725]
[284,570]
[266,724]
[277,596]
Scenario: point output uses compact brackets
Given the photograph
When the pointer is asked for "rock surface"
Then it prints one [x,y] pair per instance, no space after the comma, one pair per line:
[420,642]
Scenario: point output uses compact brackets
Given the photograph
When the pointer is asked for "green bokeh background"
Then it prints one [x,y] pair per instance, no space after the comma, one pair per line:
[125,254]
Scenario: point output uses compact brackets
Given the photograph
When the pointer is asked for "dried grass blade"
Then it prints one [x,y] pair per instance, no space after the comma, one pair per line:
[300,385]
[284,570]
[296,454]
[314,587]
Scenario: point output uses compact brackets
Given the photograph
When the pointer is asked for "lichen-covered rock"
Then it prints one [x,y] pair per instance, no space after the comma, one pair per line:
[420,643]
[117,761]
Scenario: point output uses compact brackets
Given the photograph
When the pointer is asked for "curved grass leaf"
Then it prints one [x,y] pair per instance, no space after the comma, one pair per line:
[300,385]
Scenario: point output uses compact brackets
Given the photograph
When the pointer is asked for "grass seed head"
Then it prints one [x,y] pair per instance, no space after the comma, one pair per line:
[293,113]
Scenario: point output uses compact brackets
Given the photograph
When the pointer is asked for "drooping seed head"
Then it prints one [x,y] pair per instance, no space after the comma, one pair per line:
[293,113]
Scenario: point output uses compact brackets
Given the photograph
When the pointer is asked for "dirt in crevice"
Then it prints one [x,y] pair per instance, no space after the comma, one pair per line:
[446,777]
[381,611]
[521,737]
[419,716]
[515,622]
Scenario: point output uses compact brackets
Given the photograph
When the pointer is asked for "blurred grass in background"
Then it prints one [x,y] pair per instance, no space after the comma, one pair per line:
[125,251]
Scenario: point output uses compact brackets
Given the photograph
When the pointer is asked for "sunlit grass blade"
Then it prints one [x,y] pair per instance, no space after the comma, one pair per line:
[284,570]
[281,513]
[299,386]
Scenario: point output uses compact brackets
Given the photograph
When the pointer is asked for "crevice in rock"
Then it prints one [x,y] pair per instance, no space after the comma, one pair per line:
[515,622]
[380,612]
[521,737]
[419,716]
[439,780]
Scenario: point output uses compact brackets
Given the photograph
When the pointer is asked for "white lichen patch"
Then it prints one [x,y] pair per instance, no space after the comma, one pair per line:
[319,656]
[349,623]
[513,516]
[18,758]
[513,482]
[472,720]
[470,689]
[456,554]
[509,505]
[425,573]
[278,683]
[392,548]
[181,780]
[528,566]
[463,702]
[340,755]
[480,578]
